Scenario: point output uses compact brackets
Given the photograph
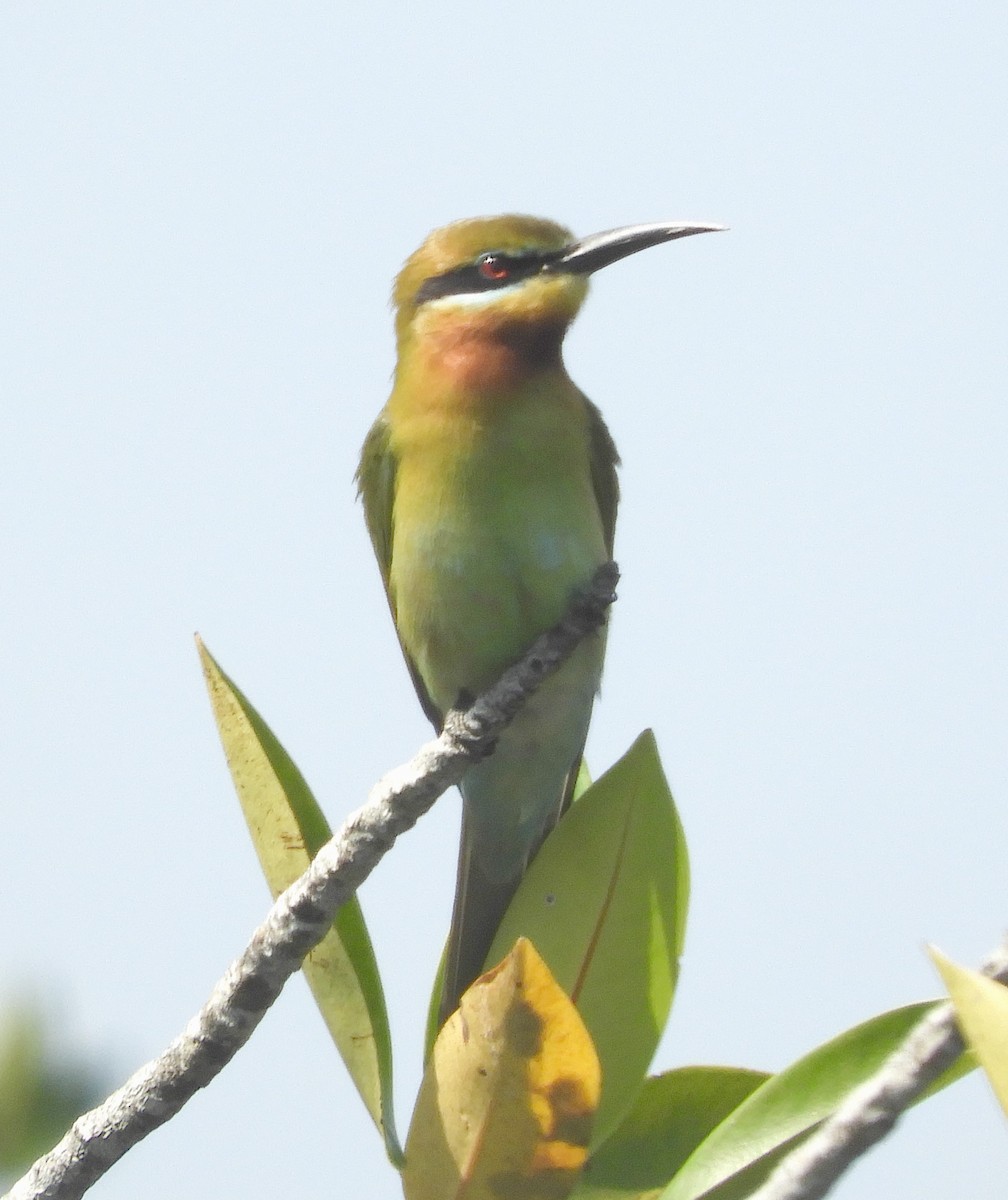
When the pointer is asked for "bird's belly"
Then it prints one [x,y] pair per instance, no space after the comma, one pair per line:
[478,612]
[514,797]
[470,603]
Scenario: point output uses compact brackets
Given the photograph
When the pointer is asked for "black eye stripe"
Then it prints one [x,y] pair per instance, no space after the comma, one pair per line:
[490,272]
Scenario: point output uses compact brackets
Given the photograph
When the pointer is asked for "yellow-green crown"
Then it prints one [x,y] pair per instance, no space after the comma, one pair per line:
[462,244]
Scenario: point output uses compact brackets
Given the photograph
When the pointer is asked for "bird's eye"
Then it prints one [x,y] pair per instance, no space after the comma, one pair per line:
[493,267]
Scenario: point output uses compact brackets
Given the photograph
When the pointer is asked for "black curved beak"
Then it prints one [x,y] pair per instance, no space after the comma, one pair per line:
[601,249]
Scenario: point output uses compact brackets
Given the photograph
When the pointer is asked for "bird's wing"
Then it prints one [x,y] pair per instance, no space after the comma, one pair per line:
[604,461]
[376,484]
[605,484]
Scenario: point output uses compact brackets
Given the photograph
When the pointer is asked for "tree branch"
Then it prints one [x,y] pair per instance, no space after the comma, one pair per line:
[301,916]
[872,1109]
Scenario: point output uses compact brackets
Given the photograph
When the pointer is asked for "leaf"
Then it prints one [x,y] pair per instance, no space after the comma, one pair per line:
[288,829]
[507,1101]
[582,783]
[981,1006]
[44,1087]
[741,1151]
[433,1025]
[673,1114]
[604,902]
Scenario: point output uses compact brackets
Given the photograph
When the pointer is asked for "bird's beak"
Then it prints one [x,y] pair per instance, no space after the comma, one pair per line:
[600,249]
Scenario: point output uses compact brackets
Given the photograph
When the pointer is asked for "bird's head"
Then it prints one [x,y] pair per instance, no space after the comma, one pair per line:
[510,281]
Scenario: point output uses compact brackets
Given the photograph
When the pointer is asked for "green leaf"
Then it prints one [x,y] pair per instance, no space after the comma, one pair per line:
[433,1025]
[674,1112]
[604,903]
[741,1151]
[981,1006]
[582,783]
[288,829]
[43,1088]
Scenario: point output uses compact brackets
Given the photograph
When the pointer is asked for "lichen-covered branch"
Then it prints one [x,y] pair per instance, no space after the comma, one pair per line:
[300,918]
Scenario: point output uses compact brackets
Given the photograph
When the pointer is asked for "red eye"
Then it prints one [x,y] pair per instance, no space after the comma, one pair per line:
[493,267]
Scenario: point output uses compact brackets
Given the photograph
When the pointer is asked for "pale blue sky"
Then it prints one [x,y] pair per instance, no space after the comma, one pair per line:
[202,209]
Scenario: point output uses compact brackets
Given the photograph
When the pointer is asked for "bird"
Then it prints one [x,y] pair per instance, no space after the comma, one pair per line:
[489,490]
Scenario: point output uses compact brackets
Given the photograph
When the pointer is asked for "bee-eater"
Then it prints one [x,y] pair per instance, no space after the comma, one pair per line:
[489,489]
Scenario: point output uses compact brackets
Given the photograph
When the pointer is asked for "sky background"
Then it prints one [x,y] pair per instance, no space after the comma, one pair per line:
[201,211]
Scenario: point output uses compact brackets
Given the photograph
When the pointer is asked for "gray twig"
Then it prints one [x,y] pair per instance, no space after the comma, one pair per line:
[301,917]
[872,1109]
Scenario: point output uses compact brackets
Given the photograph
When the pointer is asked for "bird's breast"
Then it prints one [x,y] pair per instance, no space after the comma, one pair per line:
[492,531]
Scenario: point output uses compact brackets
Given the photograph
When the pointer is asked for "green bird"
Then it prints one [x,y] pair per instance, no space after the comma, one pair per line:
[489,490]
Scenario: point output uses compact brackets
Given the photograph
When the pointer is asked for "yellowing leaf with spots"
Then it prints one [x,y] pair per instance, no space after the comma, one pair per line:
[981,1005]
[509,1094]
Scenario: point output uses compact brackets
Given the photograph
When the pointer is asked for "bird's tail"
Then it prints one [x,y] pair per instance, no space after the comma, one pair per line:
[511,801]
[482,896]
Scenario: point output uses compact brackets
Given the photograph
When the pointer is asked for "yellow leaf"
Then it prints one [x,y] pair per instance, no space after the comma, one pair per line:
[981,1006]
[509,1094]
